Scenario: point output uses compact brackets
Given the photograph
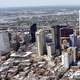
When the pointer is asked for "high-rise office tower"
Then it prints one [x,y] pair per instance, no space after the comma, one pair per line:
[9,34]
[72,54]
[33,30]
[4,42]
[64,35]
[56,30]
[74,49]
[41,42]
[50,49]
[56,36]
[65,32]
[73,40]
[69,57]
[65,60]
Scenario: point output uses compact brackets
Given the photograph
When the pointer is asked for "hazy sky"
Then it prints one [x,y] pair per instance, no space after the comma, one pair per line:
[17,3]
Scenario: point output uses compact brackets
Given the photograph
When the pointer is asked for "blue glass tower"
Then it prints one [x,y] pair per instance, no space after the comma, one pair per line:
[73,40]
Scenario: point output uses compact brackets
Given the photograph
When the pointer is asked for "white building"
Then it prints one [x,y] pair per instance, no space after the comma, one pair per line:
[69,57]
[40,41]
[50,49]
[65,60]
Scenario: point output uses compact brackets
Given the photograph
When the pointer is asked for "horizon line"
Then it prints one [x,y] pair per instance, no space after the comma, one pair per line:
[41,6]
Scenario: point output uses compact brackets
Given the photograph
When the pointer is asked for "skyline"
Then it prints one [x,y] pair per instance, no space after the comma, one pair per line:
[34,3]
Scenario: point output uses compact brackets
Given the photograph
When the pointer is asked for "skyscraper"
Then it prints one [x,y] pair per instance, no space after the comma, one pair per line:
[56,37]
[50,49]
[33,30]
[73,40]
[65,60]
[4,42]
[41,42]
